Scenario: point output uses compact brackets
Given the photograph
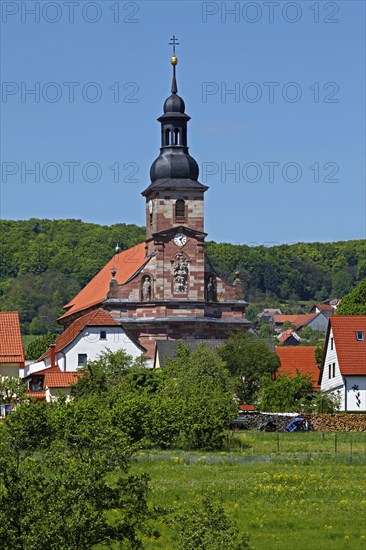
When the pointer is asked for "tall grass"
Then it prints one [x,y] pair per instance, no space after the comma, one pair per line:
[305,502]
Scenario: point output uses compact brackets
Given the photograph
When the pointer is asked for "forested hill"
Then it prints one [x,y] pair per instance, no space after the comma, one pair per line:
[43,264]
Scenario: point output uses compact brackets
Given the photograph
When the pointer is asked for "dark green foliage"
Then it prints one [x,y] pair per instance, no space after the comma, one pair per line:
[319,355]
[284,394]
[39,346]
[248,360]
[64,481]
[206,527]
[311,337]
[187,404]
[302,271]
[354,303]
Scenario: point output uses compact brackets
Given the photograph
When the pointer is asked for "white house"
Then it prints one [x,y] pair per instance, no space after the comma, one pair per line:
[47,384]
[84,340]
[343,371]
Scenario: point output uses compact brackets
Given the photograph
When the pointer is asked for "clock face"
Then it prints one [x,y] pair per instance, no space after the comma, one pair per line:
[180,239]
[150,207]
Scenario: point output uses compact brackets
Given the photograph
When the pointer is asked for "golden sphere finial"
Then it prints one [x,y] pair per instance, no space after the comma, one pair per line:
[174,60]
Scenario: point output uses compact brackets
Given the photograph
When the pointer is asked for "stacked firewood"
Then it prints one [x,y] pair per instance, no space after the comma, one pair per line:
[337,422]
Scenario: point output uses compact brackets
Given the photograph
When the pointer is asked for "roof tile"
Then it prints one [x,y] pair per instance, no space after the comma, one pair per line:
[126,263]
[11,347]
[351,353]
[298,358]
[296,320]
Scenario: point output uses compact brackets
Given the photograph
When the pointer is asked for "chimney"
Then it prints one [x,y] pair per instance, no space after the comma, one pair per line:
[53,354]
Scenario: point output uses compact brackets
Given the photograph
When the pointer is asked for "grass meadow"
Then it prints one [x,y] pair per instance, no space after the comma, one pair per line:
[309,495]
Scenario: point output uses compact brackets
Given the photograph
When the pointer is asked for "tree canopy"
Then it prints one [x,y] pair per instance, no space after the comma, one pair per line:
[248,360]
[354,303]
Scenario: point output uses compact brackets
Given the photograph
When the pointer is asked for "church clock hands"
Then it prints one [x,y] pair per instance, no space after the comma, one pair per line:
[180,239]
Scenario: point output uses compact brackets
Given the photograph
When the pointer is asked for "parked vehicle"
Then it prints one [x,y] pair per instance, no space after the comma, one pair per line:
[268,426]
[298,424]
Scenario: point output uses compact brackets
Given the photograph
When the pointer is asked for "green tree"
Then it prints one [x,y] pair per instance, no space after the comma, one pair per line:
[39,346]
[104,373]
[200,382]
[66,485]
[342,283]
[354,303]
[285,394]
[265,331]
[311,337]
[248,360]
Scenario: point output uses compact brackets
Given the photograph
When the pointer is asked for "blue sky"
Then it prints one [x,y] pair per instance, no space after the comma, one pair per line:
[283,154]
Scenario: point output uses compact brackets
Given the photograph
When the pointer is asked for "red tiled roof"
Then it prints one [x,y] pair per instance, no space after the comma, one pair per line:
[283,337]
[11,347]
[246,407]
[55,368]
[351,353]
[61,379]
[296,320]
[298,358]
[96,318]
[324,307]
[36,394]
[126,263]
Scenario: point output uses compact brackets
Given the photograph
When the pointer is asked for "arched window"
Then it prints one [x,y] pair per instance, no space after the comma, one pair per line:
[176,136]
[180,209]
[167,136]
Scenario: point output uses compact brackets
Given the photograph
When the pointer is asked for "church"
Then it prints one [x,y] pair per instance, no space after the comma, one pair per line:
[166,288]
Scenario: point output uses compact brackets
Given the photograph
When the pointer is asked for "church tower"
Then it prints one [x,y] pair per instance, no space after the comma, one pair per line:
[166,287]
[174,206]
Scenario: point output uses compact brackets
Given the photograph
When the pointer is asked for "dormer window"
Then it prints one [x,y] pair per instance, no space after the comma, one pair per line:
[180,210]
[359,336]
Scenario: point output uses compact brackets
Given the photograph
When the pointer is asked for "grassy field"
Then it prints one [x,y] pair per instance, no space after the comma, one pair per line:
[305,497]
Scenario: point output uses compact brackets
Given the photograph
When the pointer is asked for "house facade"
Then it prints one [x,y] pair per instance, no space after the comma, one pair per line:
[343,371]
[85,340]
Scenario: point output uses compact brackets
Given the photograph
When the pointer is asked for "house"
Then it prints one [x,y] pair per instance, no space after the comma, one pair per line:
[266,316]
[343,370]
[326,309]
[289,338]
[84,340]
[315,321]
[334,302]
[47,384]
[299,359]
[11,347]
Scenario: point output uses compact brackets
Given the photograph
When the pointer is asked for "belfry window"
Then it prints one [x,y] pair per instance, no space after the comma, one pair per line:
[167,136]
[180,209]
[176,136]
